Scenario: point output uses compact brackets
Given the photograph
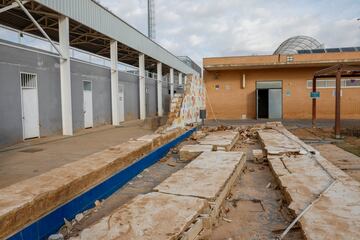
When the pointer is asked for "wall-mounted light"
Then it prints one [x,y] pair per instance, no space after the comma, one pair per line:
[243,82]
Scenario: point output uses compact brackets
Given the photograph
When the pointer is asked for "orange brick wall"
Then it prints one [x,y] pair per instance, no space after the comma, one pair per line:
[231,101]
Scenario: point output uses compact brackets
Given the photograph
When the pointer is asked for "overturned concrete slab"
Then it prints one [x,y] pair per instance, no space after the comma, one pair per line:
[206,176]
[221,140]
[189,152]
[151,216]
[26,201]
[311,179]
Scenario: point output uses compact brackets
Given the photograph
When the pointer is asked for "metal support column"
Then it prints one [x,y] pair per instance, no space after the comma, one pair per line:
[171,83]
[114,83]
[65,76]
[337,104]
[159,90]
[142,88]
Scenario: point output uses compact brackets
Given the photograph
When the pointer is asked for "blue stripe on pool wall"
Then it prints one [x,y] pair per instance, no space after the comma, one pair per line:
[51,223]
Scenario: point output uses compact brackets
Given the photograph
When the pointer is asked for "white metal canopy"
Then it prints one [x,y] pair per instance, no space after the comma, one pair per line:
[95,16]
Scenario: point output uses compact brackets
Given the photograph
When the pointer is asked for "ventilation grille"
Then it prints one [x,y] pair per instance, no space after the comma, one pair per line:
[28,80]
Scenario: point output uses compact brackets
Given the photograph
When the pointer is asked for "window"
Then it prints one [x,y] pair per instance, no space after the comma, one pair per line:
[28,80]
[331,83]
[289,58]
[87,85]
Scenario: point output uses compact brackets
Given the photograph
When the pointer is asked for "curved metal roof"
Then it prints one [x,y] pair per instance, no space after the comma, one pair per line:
[293,44]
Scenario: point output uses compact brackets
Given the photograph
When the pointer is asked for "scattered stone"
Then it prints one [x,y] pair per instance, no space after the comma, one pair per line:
[57,236]
[198,135]
[258,155]
[227,220]
[174,151]
[97,203]
[140,176]
[251,170]
[79,217]
[269,185]
[68,225]
[171,164]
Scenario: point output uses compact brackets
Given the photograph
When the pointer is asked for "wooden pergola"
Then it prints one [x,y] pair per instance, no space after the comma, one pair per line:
[338,71]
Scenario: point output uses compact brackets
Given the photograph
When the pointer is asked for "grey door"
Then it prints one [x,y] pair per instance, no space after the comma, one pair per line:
[275,103]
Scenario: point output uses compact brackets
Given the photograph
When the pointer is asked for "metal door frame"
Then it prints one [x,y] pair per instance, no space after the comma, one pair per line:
[282,97]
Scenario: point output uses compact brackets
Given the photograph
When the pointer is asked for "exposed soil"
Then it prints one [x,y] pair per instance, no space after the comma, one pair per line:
[348,143]
[255,208]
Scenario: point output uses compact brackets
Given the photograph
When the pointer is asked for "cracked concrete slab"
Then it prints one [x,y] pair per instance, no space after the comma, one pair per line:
[304,178]
[189,152]
[150,216]
[205,176]
[221,140]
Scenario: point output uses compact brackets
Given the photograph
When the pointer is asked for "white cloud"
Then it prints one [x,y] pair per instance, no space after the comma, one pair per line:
[213,28]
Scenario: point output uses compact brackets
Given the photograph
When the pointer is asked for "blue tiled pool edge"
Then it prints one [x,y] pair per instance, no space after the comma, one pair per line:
[51,222]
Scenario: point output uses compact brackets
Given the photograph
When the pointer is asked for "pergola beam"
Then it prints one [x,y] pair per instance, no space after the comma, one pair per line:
[338,71]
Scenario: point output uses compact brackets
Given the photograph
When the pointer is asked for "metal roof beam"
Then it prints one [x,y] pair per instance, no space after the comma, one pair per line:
[103,21]
[11,6]
[38,26]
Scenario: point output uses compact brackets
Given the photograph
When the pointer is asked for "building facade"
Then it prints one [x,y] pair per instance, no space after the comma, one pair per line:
[20,65]
[278,86]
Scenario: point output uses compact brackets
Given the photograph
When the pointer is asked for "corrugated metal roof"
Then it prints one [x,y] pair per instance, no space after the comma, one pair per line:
[93,15]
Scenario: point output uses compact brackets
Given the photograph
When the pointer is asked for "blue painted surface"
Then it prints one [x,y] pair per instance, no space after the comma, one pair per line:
[52,222]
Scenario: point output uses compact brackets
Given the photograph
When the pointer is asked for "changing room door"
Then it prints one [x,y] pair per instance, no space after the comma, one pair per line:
[275,103]
[88,105]
[121,103]
[30,105]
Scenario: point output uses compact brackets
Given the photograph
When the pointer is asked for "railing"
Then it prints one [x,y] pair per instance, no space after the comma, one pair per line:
[26,39]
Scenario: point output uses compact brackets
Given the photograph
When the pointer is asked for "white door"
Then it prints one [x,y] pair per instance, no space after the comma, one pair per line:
[30,105]
[88,105]
[121,103]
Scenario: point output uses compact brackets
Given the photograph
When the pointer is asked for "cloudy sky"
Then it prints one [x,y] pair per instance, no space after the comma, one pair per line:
[203,28]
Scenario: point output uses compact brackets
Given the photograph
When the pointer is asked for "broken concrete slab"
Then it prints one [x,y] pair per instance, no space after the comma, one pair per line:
[151,216]
[275,143]
[189,152]
[303,178]
[205,176]
[26,201]
[335,216]
[223,140]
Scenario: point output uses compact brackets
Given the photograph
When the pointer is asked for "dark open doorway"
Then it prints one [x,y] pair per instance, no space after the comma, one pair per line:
[263,103]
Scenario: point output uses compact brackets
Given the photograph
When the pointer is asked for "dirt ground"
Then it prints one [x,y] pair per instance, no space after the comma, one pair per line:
[255,208]
[325,134]
[37,156]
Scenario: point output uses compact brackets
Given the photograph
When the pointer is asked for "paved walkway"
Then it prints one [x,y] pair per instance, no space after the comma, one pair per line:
[33,158]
